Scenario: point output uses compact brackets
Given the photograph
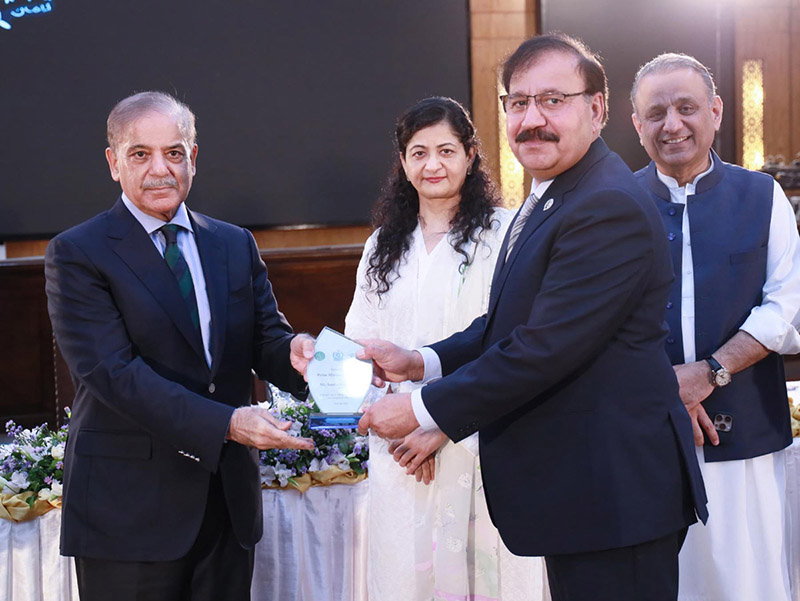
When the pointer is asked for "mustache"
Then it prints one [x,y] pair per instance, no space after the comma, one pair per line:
[528,135]
[164,182]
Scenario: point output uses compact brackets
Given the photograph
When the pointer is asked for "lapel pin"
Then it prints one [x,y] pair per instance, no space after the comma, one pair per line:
[548,204]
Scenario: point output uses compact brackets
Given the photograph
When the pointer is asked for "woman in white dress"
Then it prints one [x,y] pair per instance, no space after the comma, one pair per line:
[425,274]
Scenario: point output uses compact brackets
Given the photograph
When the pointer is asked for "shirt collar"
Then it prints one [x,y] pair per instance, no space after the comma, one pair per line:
[540,188]
[152,224]
[672,183]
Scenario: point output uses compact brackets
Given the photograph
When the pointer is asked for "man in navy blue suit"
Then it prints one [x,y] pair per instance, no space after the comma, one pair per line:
[586,448]
[161,313]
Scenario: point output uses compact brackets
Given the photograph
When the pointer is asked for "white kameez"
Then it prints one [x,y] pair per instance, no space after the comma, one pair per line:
[437,541]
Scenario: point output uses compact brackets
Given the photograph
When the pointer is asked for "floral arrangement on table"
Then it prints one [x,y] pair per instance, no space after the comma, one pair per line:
[32,464]
[339,456]
[31,470]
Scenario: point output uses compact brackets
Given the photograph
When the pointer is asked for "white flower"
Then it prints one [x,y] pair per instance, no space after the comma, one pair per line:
[343,463]
[318,465]
[7,487]
[277,472]
[5,451]
[282,473]
[19,480]
[57,488]
[58,451]
[267,474]
[45,494]
[30,451]
[465,480]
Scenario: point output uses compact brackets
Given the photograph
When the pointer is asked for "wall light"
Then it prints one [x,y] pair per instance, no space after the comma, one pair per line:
[753,114]
[512,176]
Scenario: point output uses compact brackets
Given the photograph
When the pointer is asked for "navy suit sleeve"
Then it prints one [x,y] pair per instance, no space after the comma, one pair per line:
[91,333]
[462,347]
[597,270]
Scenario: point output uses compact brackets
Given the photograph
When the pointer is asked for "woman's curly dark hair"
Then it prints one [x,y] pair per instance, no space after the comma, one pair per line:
[395,212]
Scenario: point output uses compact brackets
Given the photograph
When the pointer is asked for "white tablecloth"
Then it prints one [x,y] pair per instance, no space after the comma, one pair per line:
[314,547]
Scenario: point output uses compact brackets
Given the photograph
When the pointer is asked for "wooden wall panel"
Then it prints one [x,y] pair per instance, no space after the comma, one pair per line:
[290,237]
[498,27]
[26,348]
[766,32]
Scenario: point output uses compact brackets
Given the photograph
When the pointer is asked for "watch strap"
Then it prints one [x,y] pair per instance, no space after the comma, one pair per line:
[715,365]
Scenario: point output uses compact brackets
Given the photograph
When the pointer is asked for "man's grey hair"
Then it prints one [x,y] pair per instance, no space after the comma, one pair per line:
[136,106]
[672,61]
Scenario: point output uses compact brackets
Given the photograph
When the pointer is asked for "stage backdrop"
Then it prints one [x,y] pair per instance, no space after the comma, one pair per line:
[295,99]
[628,33]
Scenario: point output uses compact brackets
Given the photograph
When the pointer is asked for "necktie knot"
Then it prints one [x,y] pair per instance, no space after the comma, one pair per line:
[170,232]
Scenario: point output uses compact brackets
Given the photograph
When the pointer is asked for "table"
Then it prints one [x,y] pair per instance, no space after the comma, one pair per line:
[313,549]
[314,546]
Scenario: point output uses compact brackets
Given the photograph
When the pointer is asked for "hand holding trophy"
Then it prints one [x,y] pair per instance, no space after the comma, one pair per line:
[338,380]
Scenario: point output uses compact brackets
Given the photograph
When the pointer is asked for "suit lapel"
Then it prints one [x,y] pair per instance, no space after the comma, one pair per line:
[214,258]
[537,218]
[547,206]
[132,244]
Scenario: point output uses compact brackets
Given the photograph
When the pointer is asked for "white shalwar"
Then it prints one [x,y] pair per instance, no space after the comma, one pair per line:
[741,555]
[437,541]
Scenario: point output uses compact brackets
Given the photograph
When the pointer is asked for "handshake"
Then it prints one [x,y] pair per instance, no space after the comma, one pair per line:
[392,417]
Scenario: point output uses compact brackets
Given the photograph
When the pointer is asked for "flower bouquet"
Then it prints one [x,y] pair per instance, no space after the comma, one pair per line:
[339,456]
[31,471]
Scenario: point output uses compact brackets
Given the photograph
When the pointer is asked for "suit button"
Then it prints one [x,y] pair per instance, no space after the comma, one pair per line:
[671,236]
[672,211]
[212,388]
[669,305]
[670,340]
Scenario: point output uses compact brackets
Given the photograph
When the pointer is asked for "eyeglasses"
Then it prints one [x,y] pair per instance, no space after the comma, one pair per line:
[548,102]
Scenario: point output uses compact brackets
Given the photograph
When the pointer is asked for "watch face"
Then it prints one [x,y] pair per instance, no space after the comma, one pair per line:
[722,377]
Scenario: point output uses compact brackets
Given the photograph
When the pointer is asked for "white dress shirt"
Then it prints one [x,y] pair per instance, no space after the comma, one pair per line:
[188,247]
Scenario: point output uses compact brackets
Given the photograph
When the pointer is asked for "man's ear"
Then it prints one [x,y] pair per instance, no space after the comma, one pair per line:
[638,125]
[716,110]
[111,157]
[193,159]
[598,112]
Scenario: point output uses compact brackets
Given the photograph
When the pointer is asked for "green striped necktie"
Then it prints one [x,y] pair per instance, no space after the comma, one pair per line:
[179,268]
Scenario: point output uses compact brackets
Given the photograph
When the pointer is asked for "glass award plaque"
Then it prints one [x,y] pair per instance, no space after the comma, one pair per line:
[339,382]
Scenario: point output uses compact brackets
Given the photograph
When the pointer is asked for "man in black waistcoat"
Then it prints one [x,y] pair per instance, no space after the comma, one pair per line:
[732,312]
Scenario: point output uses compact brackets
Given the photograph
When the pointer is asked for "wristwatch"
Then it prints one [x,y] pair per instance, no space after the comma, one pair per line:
[720,376]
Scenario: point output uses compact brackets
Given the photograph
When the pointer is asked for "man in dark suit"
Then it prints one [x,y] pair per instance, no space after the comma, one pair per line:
[586,449]
[161,313]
